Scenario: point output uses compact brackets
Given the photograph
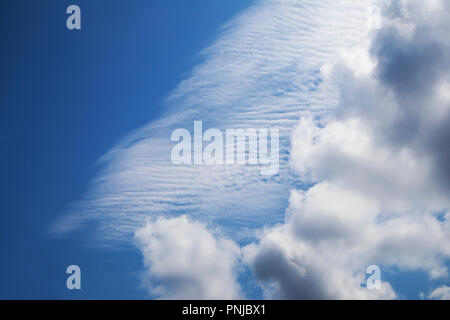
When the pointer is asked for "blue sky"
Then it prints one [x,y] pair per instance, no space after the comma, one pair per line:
[66,98]
[85,125]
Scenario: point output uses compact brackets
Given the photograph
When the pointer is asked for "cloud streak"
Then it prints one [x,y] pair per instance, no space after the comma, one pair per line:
[262,72]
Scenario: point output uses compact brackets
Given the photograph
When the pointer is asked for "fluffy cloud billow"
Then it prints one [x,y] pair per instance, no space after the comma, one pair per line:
[441,293]
[378,164]
[184,260]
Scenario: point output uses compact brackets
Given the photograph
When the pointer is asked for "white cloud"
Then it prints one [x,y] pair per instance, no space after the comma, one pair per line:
[441,293]
[290,267]
[263,71]
[184,260]
[332,234]
[349,152]
[379,181]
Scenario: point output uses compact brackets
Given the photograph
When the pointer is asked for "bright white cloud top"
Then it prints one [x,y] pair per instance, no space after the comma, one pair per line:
[364,117]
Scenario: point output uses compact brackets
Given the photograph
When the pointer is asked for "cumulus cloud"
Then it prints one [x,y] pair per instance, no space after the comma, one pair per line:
[184,260]
[378,166]
[441,293]
[321,250]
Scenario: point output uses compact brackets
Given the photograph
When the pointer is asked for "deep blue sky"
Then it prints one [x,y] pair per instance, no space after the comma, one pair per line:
[66,98]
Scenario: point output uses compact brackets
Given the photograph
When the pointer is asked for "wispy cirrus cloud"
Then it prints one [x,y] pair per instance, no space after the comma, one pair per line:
[262,71]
